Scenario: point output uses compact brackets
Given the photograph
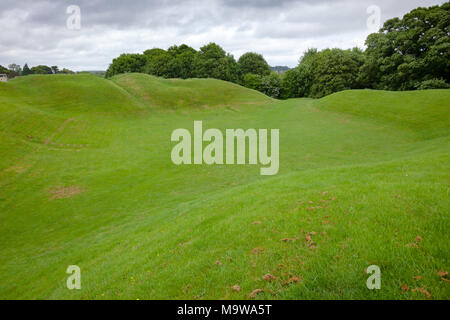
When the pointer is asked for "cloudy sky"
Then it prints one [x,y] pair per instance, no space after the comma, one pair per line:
[42,32]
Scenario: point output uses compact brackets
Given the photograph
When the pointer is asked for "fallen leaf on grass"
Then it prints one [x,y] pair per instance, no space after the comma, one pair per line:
[405,288]
[419,238]
[236,288]
[255,293]
[325,222]
[423,291]
[295,279]
[257,250]
[445,279]
[218,263]
[442,273]
[288,239]
[417,277]
[268,277]
[257,222]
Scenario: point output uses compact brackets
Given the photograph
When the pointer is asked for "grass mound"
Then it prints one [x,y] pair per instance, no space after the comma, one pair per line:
[425,112]
[188,94]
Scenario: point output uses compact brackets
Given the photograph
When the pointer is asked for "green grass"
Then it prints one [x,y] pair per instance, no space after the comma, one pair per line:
[367,171]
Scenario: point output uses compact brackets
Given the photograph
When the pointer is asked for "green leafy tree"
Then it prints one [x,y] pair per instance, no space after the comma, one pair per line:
[127,63]
[181,62]
[297,82]
[66,71]
[290,84]
[252,81]
[157,62]
[41,69]
[433,84]
[333,70]
[4,70]
[15,68]
[408,51]
[255,63]
[271,85]
[213,62]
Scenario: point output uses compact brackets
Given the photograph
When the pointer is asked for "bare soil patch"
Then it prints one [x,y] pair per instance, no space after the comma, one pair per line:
[60,192]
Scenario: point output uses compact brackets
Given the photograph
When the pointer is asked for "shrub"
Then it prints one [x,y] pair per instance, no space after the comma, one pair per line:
[433,84]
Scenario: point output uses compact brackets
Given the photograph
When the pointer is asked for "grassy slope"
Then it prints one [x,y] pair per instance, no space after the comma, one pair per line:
[196,94]
[376,163]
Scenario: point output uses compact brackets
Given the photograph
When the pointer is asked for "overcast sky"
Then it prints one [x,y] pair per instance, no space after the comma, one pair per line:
[36,31]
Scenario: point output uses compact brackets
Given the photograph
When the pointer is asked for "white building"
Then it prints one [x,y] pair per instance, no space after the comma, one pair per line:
[3,77]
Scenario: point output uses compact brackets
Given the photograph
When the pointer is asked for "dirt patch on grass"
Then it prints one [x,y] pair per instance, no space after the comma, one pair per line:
[20,168]
[60,192]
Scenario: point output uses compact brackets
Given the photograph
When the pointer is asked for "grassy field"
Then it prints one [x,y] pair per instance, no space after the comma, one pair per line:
[86,179]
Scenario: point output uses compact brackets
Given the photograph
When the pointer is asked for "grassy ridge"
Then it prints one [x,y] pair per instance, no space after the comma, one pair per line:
[424,112]
[364,173]
[173,94]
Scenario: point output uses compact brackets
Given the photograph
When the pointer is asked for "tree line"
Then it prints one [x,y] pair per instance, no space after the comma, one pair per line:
[405,54]
[15,70]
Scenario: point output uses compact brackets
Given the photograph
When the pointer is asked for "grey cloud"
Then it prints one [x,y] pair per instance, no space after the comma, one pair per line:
[35,30]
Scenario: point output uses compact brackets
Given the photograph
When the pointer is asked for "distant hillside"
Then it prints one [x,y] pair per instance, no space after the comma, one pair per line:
[94,72]
[280,69]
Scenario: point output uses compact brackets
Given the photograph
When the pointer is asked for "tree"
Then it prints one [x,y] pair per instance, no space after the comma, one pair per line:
[252,81]
[432,84]
[15,68]
[297,82]
[270,85]
[408,51]
[181,62]
[4,70]
[333,70]
[255,63]
[304,75]
[290,84]
[66,71]
[213,62]
[41,69]
[157,61]
[26,70]
[55,69]
[127,63]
